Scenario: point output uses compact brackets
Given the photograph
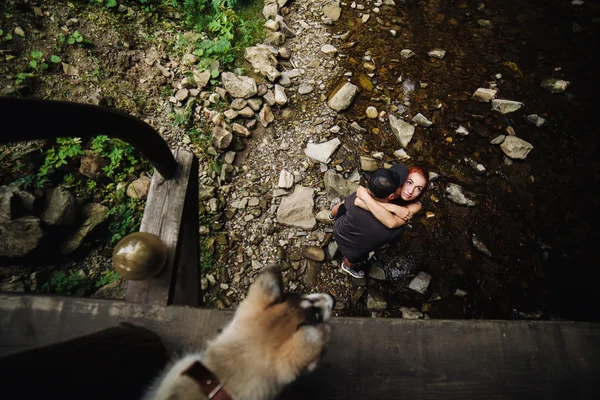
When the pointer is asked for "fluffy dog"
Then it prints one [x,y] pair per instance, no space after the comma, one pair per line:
[273,338]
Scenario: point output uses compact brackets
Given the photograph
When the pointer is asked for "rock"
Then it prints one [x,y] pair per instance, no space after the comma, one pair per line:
[93,215]
[332,10]
[375,300]
[437,53]
[368,164]
[401,155]
[230,114]
[20,236]
[406,54]
[139,188]
[91,164]
[498,139]
[270,11]
[182,94]
[60,207]
[312,273]
[286,180]
[305,89]
[332,249]
[201,78]
[221,138]
[323,217]
[263,60]
[19,31]
[284,53]
[296,210]
[377,272]
[535,120]
[275,38]
[402,130]
[322,152]
[461,130]
[246,112]
[280,96]
[515,147]
[411,313]
[554,85]
[337,186]
[484,95]
[480,246]
[239,86]
[255,103]
[328,49]
[272,25]
[455,193]
[313,253]
[238,104]
[342,96]
[266,116]
[285,29]
[506,106]
[240,130]
[420,282]
[371,112]
[7,204]
[420,120]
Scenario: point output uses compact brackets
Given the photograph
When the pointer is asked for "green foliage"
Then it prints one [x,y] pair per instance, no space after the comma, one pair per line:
[106,277]
[207,261]
[67,283]
[6,37]
[77,39]
[65,150]
[37,62]
[125,217]
[22,77]
[121,157]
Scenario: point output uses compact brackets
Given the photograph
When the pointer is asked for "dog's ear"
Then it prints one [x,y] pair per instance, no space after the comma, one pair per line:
[268,286]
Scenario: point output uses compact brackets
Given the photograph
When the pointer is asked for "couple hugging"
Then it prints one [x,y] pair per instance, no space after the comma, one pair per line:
[370,218]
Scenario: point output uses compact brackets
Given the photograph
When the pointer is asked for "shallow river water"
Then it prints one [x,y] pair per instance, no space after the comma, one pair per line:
[537,215]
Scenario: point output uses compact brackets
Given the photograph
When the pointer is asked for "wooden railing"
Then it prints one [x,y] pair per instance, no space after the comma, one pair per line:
[171,211]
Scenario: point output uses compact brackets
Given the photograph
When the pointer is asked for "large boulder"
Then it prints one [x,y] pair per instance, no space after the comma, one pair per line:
[93,215]
[60,207]
[296,210]
[19,237]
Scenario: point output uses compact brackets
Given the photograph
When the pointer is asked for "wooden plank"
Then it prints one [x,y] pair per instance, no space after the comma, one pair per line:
[163,217]
[367,358]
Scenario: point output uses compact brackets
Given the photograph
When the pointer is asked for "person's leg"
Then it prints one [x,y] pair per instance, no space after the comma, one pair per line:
[334,207]
[352,268]
[397,236]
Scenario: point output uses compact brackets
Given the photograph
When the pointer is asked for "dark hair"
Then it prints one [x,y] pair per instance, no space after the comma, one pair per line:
[383,183]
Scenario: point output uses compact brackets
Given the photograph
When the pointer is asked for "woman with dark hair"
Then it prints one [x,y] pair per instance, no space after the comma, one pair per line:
[368,219]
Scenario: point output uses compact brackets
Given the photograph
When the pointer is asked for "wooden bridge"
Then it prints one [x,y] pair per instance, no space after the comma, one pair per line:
[79,348]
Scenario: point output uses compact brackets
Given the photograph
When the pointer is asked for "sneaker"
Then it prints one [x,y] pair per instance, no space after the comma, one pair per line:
[335,201]
[355,273]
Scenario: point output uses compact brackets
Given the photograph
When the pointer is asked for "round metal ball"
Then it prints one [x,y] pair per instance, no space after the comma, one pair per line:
[139,256]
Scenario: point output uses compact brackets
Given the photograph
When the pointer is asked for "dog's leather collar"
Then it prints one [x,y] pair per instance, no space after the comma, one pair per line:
[208,382]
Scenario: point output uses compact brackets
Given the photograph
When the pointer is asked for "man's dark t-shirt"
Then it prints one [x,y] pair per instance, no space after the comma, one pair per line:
[357,232]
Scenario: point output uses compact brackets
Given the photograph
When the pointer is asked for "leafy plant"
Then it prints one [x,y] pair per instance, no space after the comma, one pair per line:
[57,156]
[22,77]
[125,217]
[106,277]
[37,60]
[121,157]
[67,283]
[77,39]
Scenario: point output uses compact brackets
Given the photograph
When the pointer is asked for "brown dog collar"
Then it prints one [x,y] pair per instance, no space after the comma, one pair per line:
[208,382]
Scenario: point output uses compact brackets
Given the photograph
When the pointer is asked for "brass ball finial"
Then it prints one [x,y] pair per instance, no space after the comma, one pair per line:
[139,256]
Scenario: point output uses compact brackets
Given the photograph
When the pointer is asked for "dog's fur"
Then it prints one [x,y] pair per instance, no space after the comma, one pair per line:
[273,338]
